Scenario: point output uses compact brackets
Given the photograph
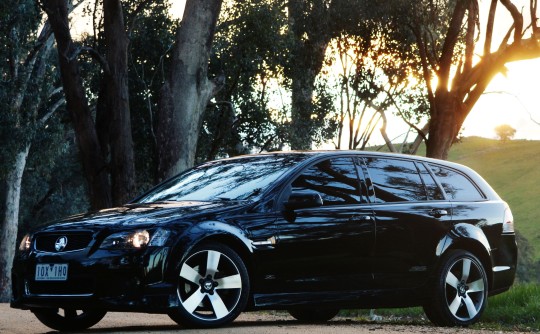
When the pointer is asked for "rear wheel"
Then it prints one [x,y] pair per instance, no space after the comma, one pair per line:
[311,315]
[460,290]
[213,287]
[69,319]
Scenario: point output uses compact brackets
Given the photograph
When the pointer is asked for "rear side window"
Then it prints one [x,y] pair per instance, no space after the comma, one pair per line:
[395,180]
[456,185]
[433,191]
[336,180]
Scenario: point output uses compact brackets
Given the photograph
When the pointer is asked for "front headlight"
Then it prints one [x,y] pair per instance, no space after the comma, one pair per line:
[159,237]
[26,242]
[123,240]
[136,239]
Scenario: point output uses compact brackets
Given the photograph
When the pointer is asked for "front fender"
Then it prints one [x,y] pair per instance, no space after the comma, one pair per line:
[214,230]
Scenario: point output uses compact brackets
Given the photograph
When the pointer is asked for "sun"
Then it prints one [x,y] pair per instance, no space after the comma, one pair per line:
[511,99]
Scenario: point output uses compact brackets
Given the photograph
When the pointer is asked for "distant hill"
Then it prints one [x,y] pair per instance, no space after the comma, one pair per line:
[512,168]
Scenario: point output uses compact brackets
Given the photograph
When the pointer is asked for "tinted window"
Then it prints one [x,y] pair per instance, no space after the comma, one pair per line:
[235,179]
[456,185]
[395,180]
[334,179]
[432,189]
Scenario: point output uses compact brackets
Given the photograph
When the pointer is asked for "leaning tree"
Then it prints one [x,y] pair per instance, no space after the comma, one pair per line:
[447,34]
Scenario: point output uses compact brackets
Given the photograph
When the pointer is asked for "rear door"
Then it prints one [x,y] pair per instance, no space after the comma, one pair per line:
[411,216]
[327,248]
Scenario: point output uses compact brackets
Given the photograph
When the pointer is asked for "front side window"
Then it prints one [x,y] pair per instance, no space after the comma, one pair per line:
[335,180]
[457,186]
[235,179]
[394,180]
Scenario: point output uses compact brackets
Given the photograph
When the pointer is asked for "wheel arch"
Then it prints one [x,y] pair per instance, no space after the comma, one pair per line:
[469,238]
[211,231]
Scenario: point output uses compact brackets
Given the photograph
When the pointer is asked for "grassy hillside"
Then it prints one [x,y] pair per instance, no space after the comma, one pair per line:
[512,168]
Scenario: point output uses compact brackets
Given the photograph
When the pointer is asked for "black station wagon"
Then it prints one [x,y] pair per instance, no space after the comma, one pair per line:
[306,232]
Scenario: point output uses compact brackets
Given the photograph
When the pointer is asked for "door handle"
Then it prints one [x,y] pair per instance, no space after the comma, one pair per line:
[360,218]
[438,213]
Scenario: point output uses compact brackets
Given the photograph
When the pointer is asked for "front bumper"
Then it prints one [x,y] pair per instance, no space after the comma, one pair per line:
[114,280]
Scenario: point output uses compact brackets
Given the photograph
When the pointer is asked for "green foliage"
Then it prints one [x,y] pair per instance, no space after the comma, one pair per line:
[53,184]
[18,24]
[151,30]
[250,49]
[373,80]
[151,40]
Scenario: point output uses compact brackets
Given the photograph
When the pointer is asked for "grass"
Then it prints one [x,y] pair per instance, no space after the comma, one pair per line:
[515,310]
[511,168]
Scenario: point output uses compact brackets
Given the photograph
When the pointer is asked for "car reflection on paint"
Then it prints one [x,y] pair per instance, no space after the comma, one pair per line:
[307,232]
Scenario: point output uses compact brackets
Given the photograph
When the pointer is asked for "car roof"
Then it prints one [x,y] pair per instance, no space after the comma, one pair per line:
[309,155]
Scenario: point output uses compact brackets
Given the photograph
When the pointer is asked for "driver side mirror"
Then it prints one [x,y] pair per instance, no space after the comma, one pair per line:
[303,200]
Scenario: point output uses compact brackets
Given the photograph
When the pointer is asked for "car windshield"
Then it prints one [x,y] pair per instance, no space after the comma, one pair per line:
[235,179]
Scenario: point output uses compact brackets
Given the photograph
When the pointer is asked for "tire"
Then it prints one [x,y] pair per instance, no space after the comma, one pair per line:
[459,291]
[69,319]
[213,287]
[313,315]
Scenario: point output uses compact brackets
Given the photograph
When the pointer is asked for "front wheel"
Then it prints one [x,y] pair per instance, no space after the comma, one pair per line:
[460,290]
[213,287]
[69,319]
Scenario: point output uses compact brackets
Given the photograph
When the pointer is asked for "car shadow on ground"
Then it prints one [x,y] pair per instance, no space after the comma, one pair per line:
[236,324]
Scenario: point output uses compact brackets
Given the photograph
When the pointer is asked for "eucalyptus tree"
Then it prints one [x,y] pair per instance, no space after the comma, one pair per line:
[376,76]
[447,35]
[313,24]
[113,138]
[250,51]
[187,88]
[151,35]
[28,97]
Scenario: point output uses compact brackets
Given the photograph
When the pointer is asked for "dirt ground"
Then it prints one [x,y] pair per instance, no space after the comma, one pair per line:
[14,321]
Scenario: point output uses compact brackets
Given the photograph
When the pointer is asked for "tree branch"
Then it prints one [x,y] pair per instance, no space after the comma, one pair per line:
[142,6]
[454,29]
[387,140]
[51,111]
[96,56]
[517,17]
[489,28]
[425,67]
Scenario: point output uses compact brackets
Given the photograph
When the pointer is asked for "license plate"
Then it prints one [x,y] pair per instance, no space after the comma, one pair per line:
[51,272]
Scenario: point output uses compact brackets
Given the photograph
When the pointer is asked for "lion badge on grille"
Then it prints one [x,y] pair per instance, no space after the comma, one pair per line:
[61,243]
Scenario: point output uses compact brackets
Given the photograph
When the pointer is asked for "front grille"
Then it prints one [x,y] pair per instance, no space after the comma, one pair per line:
[80,286]
[75,241]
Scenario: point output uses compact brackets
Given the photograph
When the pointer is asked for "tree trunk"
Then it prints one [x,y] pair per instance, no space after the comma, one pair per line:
[445,124]
[187,91]
[10,222]
[117,104]
[77,105]
[303,82]
[311,41]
